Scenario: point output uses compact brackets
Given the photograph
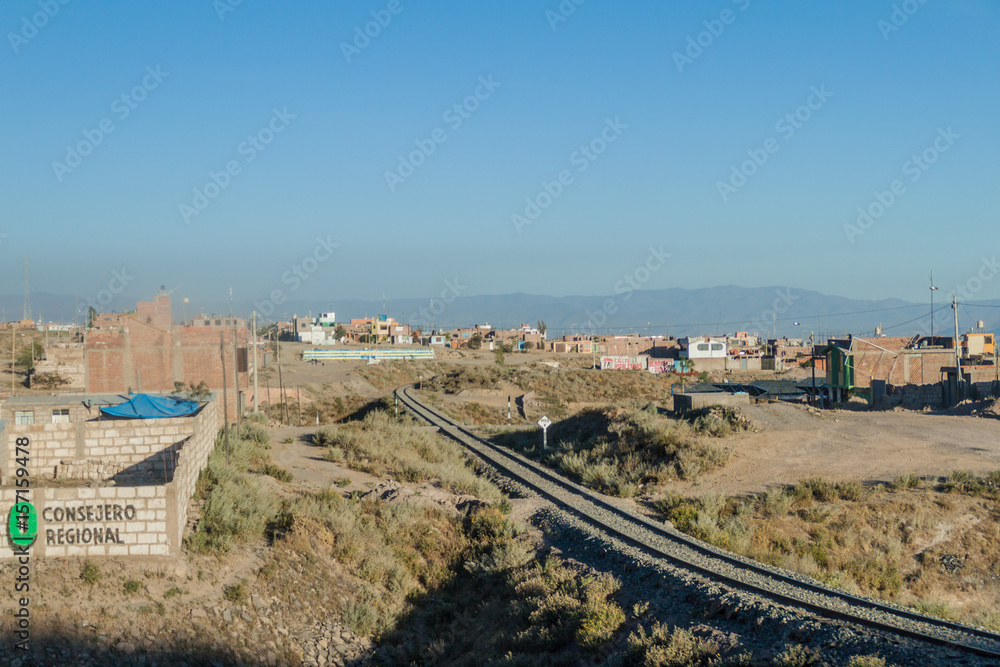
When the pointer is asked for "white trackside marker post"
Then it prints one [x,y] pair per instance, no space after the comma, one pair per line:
[545,423]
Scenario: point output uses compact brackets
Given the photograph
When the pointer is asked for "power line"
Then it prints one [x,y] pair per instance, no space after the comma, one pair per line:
[778,319]
[915,318]
[978,305]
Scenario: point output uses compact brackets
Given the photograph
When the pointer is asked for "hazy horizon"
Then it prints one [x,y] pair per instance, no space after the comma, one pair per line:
[554,149]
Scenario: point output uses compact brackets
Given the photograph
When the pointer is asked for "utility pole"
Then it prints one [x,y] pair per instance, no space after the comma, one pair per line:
[958,352]
[812,353]
[256,406]
[281,384]
[932,307]
[225,395]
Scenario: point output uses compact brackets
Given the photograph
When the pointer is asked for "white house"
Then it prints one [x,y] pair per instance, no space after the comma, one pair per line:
[702,347]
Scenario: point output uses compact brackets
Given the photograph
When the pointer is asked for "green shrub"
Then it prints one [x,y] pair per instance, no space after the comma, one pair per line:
[236,593]
[904,482]
[965,482]
[680,511]
[853,491]
[866,661]
[876,574]
[601,617]
[362,616]
[797,655]
[255,433]
[256,417]
[775,502]
[665,648]
[132,586]
[488,525]
[325,437]
[237,510]
[90,572]
[276,472]
[817,488]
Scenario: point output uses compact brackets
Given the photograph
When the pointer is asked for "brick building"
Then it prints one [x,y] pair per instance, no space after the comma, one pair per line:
[145,351]
[857,362]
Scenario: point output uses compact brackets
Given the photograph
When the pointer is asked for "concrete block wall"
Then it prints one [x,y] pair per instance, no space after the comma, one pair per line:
[121,442]
[66,361]
[982,389]
[912,396]
[916,396]
[685,402]
[124,521]
[192,460]
[104,521]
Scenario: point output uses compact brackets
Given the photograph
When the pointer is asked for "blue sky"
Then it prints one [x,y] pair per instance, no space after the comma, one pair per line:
[339,118]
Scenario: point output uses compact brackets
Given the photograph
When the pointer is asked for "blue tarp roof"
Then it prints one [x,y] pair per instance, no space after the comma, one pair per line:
[144,406]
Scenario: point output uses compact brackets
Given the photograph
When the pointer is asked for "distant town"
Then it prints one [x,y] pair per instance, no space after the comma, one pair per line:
[145,350]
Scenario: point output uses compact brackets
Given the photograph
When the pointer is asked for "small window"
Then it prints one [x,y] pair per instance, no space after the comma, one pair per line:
[60,416]
[24,416]
[218,323]
[716,346]
[703,347]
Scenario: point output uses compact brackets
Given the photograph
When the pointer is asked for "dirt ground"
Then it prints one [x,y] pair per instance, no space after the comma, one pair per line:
[794,443]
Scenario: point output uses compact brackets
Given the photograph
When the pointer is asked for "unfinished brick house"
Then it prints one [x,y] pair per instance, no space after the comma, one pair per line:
[145,351]
[855,363]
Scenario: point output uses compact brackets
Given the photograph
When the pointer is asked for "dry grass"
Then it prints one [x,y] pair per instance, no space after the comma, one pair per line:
[391,569]
[433,586]
[563,386]
[508,608]
[237,508]
[476,414]
[664,647]
[459,378]
[625,450]
[380,445]
[389,550]
[596,386]
[927,545]
[391,374]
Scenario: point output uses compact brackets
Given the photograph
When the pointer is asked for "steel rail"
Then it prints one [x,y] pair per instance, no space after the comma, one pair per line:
[502,459]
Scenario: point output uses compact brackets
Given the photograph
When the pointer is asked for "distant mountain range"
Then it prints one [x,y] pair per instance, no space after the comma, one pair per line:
[673,312]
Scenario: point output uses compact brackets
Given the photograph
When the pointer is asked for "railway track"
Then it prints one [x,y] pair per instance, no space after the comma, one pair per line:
[721,566]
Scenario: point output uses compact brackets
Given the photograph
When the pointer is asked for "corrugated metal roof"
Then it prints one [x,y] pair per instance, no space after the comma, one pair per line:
[758,388]
[703,388]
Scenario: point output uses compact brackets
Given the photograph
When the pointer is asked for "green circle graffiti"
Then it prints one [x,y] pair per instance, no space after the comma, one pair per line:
[22,524]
